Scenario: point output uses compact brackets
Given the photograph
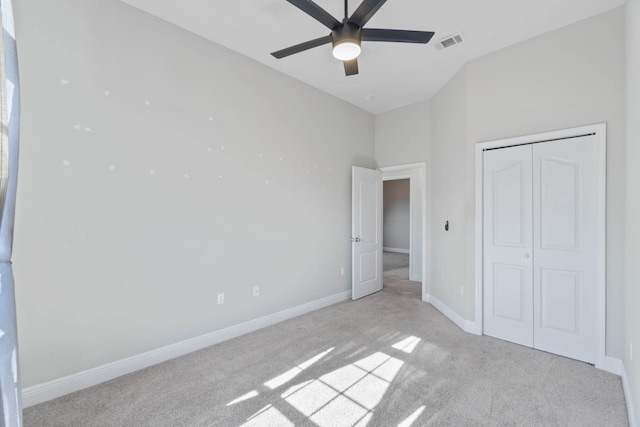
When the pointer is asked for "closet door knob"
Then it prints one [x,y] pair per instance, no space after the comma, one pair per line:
[525,256]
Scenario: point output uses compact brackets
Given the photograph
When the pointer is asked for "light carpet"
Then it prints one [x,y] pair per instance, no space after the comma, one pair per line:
[394,260]
[385,360]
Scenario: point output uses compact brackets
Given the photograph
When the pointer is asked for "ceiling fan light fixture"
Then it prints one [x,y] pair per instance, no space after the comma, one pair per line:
[346,50]
[346,41]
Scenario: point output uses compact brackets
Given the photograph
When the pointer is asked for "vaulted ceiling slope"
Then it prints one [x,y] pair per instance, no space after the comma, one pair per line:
[391,74]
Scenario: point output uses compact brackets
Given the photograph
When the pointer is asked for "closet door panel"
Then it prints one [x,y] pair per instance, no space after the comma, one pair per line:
[508,296]
[565,228]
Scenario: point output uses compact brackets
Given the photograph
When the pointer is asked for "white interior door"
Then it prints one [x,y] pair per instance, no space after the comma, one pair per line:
[508,264]
[366,226]
[565,246]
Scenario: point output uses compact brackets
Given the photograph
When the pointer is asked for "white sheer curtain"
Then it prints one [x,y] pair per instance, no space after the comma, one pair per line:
[10,407]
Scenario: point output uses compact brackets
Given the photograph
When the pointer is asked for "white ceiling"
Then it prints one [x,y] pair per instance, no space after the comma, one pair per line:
[394,74]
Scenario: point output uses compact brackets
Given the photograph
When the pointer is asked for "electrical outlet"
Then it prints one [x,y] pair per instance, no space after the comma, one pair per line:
[342,271]
[256,291]
[220,298]
[461,290]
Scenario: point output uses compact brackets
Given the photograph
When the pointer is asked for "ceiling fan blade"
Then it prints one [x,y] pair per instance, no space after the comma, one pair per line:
[351,67]
[316,12]
[401,36]
[365,11]
[302,47]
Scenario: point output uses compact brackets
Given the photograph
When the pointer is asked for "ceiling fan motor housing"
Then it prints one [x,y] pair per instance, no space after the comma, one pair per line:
[345,33]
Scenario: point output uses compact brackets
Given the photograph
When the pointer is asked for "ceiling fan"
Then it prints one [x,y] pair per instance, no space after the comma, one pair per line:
[347,35]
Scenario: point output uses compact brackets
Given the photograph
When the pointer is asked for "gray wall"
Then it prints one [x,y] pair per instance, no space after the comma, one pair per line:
[402,137]
[396,214]
[448,196]
[158,170]
[632,230]
[569,77]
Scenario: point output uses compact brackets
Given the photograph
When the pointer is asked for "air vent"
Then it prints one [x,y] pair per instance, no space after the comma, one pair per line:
[450,41]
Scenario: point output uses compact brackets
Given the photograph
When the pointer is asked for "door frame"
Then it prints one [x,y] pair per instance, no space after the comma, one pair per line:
[600,132]
[403,172]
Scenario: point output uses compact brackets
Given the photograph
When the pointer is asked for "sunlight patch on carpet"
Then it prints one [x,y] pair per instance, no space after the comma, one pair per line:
[251,394]
[407,422]
[349,394]
[407,345]
[270,416]
[293,372]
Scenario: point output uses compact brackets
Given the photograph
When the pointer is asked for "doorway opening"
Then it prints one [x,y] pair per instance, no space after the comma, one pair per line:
[367,230]
[404,229]
[396,236]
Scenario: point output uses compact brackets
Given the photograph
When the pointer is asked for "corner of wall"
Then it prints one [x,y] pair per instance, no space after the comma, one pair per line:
[631,369]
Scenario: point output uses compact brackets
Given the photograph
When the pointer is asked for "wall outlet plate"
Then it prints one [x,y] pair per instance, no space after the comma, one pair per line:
[256,291]
[220,298]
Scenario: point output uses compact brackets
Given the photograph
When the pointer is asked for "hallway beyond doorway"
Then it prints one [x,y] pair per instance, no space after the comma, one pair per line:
[395,273]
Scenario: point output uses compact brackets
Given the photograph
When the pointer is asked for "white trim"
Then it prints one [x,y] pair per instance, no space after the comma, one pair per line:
[403,167]
[415,277]
[479,236]
[81,380]
[628,398]
[447,311]
[394,177]
[612,365]
[601,299]
[396,250]
[600,131]
[472,327]
[466,325]
[423,169]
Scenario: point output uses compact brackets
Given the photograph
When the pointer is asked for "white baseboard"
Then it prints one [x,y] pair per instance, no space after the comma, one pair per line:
[81,380]
[468,326]
[611,364]
[472,327]
[415,277]
[396,250]
[628,398]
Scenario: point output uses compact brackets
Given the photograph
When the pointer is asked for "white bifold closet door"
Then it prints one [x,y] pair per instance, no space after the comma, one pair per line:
[540,246]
